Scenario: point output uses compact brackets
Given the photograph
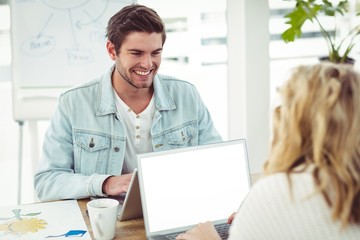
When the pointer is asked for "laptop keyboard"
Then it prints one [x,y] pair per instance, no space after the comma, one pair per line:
[222,229]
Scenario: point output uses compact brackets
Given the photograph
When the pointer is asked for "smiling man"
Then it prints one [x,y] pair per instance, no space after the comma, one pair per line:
[99,127]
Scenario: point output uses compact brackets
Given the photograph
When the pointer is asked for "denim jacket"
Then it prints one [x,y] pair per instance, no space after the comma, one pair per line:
[85,141]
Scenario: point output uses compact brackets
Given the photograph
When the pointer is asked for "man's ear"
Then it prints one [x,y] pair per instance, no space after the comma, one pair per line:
[111,50]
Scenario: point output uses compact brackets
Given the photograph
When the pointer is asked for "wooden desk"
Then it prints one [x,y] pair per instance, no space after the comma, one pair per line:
[125,230]
[131,229]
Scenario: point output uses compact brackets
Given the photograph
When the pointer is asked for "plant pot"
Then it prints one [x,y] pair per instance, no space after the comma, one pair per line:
[348,60]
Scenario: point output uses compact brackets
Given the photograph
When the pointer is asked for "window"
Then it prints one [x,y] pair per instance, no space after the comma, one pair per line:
[5,50]
[307,50]
[196,50]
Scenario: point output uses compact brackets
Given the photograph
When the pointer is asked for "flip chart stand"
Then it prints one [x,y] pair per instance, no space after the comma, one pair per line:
[20,159]
[34,152]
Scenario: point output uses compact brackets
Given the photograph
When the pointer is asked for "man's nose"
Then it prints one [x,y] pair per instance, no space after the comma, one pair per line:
[147,61]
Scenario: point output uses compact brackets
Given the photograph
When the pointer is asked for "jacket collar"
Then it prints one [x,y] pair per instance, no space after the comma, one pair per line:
[163,98]
[106,99]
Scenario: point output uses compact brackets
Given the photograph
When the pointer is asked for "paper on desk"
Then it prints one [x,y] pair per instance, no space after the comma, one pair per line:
[52,220]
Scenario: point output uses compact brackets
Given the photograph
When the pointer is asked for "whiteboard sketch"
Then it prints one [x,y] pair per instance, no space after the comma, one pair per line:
[60,43]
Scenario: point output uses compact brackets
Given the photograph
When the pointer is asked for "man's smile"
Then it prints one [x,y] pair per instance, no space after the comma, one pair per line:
[142,73]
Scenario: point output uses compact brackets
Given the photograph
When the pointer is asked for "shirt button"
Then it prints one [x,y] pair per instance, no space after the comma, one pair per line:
[137,116]
[137,136]
[116,149]
[137,127]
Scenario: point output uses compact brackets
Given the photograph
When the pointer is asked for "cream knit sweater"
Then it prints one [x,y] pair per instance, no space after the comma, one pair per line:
[269,212]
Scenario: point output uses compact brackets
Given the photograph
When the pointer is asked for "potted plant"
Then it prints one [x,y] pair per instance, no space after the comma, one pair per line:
[310,10]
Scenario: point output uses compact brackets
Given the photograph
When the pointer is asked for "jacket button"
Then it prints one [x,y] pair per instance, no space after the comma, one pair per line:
[116,149]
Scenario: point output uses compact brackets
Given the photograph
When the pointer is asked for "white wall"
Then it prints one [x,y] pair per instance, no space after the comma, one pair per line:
[248,73]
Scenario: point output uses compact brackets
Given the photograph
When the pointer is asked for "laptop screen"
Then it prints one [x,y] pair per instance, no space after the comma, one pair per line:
[186,186]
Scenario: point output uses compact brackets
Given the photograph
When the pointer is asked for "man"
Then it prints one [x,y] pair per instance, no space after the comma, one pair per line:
[98,128]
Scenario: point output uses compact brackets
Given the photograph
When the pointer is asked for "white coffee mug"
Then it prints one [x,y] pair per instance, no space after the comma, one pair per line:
[103,216]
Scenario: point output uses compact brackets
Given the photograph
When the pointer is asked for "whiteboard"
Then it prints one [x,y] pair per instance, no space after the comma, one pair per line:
[56,44]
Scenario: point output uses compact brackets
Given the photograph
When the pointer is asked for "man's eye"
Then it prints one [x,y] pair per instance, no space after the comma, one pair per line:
[136,54]
[156,53]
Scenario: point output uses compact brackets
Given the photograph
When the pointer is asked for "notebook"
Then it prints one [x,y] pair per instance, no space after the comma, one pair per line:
[183,187]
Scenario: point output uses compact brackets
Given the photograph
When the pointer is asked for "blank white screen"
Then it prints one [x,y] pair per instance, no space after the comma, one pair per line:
[189,187]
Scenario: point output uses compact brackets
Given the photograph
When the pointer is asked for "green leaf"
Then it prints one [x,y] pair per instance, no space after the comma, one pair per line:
[31,214]
[297,18]
[290,34]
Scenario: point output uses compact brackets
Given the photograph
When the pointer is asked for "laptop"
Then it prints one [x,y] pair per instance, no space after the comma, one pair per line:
[129,202]
[130,207]
[183,187]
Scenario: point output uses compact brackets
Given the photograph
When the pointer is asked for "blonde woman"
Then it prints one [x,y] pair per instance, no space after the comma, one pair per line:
[312,184]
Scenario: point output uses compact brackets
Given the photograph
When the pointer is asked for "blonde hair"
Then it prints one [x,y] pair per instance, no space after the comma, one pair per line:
[318,124]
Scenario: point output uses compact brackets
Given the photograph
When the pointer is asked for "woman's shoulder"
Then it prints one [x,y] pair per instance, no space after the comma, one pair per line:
[285,186]
[277,201]
[283,179]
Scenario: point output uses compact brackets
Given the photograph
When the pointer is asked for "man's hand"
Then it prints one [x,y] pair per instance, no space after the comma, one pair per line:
[116,185]
[203,231]
[231,218]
